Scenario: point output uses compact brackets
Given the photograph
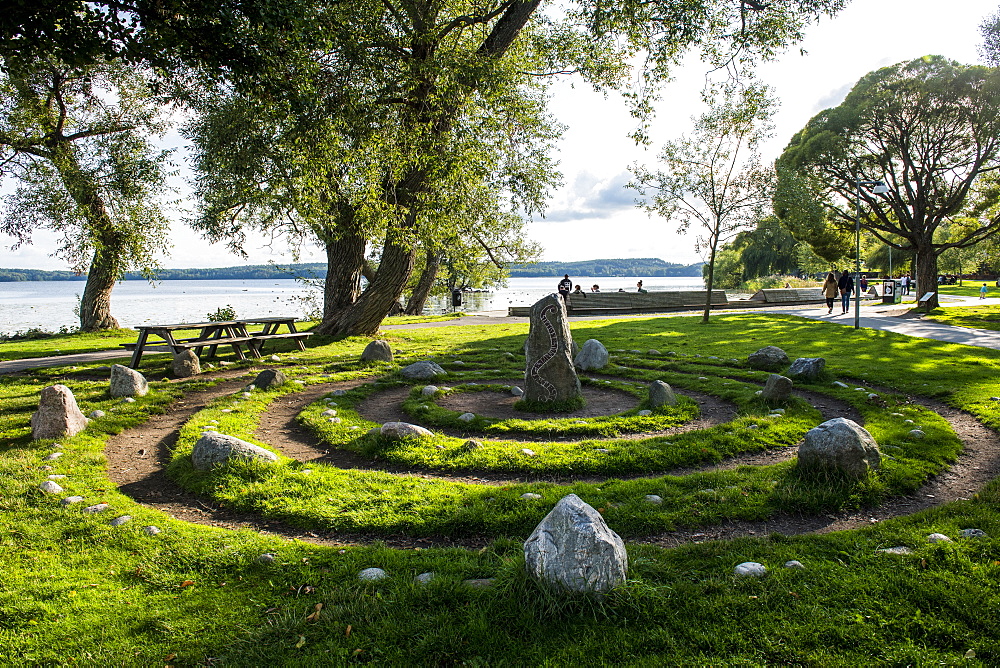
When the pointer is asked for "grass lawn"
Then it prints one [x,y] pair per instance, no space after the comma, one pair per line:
[80,591]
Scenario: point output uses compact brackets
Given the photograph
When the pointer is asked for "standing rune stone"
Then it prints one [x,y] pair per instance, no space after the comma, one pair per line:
[549,375]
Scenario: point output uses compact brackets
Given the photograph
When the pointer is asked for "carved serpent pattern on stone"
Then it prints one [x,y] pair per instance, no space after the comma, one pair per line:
[550,389]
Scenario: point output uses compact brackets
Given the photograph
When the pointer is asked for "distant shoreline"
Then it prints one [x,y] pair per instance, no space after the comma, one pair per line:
[601,268]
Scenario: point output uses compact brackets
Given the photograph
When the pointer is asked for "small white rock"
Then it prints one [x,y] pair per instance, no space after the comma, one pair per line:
[531,496]
[53,456]
[335,420]
[655,499]
[794,564]
[972,533]
[128,400]
[528,452]
[118,521]
[644,413]
[750,569]
[916,433]
[938,538]
[50,487]
[339,393]
[56,476]
[275,358]
[151,530]
[424,578]
[267,558]
[70,500]
[467,417]
[96,414]
[329,413]
[372,575]
[98,508]
[428,390]
[837,383]
[516,391]
[900,550]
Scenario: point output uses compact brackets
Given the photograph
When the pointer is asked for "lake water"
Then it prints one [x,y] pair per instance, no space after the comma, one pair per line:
[50,305]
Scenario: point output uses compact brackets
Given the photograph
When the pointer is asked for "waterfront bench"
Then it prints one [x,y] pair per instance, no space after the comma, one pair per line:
[788,295]
[610,303]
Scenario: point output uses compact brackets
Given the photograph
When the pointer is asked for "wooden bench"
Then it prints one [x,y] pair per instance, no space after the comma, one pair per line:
[298,337]
[641,302]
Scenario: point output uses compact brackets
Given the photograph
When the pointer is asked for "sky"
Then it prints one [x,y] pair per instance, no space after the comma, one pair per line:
[593,215]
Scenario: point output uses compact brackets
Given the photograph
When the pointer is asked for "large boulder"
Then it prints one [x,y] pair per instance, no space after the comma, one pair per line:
[269,378]
[549,375]
[404,430]
[126,382]
[768,357]
[186,364]
[807,368]
[573,548]
[58,415]
[214,448]
[592,356]
[777,388]
[840,446]
[423,370]
[377,351]
[661,394]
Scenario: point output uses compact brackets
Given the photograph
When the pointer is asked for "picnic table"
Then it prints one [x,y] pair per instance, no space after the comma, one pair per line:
[211,335]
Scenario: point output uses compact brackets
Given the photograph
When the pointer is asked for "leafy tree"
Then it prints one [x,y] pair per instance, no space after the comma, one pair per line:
[421,70]
[78,141]
[930,129]
[714,177]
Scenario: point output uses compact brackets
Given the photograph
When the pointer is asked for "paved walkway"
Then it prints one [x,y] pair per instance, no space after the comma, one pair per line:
[882,317]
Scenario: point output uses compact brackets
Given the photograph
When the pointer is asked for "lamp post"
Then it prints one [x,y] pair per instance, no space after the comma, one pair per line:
[877,188]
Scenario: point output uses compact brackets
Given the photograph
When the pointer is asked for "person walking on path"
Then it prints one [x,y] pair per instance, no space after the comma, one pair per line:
[830,291]
[846,285]
[982,292]
[565,285]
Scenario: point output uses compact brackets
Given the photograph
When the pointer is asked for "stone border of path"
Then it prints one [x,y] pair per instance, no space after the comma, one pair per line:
[882,317]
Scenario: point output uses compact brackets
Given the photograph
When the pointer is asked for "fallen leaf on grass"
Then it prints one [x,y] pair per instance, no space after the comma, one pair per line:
[347,632]
[168,657]
[315,615]
[301,642]
[187,583]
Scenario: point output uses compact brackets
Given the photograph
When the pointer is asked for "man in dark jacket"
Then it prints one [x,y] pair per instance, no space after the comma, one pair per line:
[846,286]
[565,285]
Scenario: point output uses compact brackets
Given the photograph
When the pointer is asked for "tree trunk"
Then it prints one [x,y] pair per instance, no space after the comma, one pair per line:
[711,279]
[926,274]
[95,306]
[366,314]
[345,257]
[415,306]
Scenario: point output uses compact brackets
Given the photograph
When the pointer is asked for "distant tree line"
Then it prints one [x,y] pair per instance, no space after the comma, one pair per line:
[645,266]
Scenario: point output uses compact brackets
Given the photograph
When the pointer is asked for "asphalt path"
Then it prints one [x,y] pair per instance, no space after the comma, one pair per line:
[890,318]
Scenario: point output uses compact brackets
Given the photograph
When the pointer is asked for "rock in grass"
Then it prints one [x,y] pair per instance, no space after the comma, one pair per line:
[58,414]
[186,364]
[50,487]
[70,500]
[528,452]
[377,351]
[52,457]
[97,414]
[424,578]
[644,413]
[372,575]
[550,376]
[839,384]
[661,394]
[404,430]
[916,433]
[750,569]
[120,520]
[768,357]
[531,496]
[269,378]
[267,558]
[938,538]
[807,368]
[151,530]
[972,533]
[592,356]
[472,445]
[214,448]
[516,391]
[777,388]
[126,382]
[97,508]
[423,370]
[428,390]
[794,564]
[574,549]
[655,499]
[899,550]
[329,413]
[467,417]
[840,446]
